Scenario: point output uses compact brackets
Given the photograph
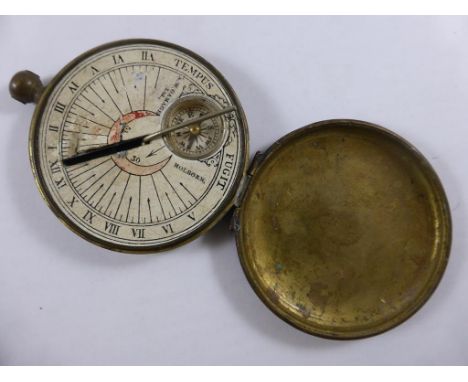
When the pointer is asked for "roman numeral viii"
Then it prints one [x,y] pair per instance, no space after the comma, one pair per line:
[112,228]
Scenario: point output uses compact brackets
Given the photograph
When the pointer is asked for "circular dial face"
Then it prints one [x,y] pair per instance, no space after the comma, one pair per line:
[156,195]
[198,140]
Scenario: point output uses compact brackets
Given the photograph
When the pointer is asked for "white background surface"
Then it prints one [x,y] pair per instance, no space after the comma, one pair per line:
[65,301]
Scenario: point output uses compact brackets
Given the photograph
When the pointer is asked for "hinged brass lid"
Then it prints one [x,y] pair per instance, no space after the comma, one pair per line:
[343,229]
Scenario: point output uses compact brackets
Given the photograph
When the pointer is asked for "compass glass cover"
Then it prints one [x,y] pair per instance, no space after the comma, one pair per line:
[160,194]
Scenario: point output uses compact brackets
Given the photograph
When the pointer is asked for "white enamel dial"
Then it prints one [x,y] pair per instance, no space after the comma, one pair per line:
[157,195]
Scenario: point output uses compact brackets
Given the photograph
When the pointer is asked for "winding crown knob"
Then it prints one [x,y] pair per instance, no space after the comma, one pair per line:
[26,87]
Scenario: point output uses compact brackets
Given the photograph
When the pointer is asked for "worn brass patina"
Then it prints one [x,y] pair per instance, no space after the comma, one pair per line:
[344,230]
[27,87]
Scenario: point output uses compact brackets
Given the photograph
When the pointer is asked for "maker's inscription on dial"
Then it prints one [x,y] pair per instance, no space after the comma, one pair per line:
[158,193]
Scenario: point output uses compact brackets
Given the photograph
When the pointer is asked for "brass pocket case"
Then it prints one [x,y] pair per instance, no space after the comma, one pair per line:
[344,229]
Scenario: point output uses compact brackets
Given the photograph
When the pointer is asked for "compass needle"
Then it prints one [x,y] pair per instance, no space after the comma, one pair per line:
[141,146]
[131,146]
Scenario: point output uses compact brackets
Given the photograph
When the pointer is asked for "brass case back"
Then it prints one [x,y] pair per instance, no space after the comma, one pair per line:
[344,229]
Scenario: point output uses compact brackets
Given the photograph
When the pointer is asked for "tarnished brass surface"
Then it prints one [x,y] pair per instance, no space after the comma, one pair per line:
[344,230]
[26,87]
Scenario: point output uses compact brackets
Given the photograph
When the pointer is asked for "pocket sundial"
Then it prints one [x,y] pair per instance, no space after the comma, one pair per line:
[108,160]
[342,227]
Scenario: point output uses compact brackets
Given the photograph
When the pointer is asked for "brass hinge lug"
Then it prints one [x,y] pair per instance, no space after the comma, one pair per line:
[244,184]
[247,178]
[234,225]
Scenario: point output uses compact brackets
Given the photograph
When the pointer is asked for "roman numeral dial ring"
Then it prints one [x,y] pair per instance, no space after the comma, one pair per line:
[137,145]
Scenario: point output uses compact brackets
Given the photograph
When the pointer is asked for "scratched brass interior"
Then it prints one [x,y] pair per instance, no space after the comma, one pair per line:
[344,230]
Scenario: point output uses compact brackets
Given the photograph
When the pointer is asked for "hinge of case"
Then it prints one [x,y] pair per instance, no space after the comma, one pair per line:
[244,184]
